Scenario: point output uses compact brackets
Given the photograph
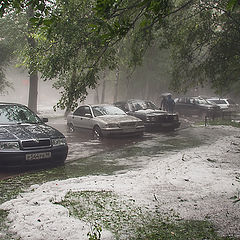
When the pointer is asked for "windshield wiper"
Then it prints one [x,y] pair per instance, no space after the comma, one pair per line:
[20,123]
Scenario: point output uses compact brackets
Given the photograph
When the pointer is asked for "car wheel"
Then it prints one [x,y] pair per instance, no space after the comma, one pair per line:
[97,133]
[70,128]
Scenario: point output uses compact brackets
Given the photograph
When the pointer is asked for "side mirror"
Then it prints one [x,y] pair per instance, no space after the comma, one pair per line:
[45,120]
[88,115]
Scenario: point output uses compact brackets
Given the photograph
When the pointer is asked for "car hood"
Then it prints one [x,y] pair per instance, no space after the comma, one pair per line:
[28,131]
[151,112]
[118,118]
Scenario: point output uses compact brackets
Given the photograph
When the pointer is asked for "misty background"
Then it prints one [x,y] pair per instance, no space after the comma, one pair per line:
[148,81]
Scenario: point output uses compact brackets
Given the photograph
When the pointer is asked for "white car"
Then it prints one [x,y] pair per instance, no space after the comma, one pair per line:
[224,103]
[104,120]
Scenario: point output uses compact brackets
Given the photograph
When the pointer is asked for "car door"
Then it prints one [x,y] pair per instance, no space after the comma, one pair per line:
[82,117]
[185,106]
[193,107]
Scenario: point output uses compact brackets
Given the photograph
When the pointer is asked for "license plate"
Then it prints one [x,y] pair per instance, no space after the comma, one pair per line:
[37,156]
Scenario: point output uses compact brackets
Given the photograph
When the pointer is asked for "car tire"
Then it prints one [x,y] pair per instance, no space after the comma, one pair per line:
[97,132]
[70,128]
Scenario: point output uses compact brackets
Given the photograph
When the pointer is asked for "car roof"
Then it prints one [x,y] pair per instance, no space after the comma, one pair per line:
[10,103]
[136,100]
[120,102]
[96,105]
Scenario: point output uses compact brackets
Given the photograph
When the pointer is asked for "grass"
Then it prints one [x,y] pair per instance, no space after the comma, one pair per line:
[127,221]
[223,122]
[4,233]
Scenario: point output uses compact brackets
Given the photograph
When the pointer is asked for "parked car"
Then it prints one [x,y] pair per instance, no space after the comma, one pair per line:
[25,139]
[104,120]
[153,117]
[196,106]
[224,103]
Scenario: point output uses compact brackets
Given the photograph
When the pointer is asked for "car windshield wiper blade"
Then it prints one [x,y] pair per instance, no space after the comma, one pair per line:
[20,123]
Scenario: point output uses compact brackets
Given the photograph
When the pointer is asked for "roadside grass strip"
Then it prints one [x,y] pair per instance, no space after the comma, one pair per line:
[104,209]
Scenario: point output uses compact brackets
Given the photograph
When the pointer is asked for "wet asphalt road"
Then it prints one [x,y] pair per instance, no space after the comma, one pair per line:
[89,156]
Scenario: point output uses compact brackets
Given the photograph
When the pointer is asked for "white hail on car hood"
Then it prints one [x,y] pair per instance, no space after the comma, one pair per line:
[118,118]
[151,111]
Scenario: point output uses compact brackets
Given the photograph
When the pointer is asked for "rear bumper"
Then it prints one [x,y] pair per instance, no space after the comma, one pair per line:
[17,159]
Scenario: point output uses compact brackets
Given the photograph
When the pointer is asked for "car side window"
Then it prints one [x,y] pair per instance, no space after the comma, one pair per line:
[131,107]
[192,101]
[97,113]
[79,112]
[87,112]
[126,108]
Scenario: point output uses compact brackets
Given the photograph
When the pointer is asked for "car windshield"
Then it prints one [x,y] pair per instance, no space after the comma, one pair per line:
[200,101]
[142,105]
[107,110]
[16,114]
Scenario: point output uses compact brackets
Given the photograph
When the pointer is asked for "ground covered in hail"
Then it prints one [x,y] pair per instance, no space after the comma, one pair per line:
[171,192]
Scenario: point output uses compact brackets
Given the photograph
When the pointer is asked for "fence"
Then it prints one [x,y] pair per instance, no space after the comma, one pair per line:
[232,116]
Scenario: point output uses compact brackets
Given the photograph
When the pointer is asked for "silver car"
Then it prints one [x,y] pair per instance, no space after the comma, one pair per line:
[105,120]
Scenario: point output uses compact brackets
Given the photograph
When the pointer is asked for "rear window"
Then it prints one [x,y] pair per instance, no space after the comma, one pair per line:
[218,101]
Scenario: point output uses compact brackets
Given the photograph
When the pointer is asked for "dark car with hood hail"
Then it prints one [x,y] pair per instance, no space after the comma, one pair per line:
[153,117]
[25,139]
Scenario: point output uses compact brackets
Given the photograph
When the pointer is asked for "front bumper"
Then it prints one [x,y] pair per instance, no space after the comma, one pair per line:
[162,125]
[17,159]
[138,131]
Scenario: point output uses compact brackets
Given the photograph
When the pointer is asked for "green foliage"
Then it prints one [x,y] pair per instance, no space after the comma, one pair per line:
[13,41]
[41,7]
[83,38]
[205,48]
[95,232]
[78,39]
[5,234]
[232,5]
[4,56]
[104,208]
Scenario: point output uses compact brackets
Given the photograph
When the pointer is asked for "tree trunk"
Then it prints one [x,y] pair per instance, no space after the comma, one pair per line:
[33,78]
[103,90]
[96,96]
[33,91]
[128,89]
[116,86]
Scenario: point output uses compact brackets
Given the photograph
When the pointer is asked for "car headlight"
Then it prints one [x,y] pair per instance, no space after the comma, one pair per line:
[59,141]
[111,125]
[9,146]
[151,119]
[175,117]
